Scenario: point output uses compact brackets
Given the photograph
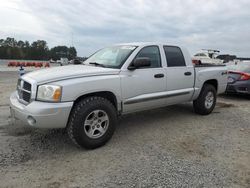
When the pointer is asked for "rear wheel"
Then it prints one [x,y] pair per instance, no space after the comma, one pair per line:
[206,101]
[92,122]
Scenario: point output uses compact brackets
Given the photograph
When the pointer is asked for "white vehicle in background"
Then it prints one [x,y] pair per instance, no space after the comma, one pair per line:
[246,61]
[207,56]
[63,61]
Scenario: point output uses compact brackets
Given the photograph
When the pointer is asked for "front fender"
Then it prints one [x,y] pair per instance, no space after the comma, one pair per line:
[74,88]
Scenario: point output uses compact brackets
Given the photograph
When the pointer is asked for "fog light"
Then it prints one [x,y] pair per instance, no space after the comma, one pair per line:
[31,120]
[242,88]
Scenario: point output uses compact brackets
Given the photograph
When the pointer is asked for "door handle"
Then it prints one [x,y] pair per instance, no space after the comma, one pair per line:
[159,75]
[188,73]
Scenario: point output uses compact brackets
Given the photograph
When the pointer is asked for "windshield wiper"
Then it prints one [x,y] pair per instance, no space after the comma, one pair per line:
[97,64]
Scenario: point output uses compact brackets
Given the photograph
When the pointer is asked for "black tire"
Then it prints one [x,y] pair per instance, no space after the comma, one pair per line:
[199,104]
[76,123]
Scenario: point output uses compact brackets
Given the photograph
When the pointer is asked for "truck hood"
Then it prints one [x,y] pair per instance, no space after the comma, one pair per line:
[67,72]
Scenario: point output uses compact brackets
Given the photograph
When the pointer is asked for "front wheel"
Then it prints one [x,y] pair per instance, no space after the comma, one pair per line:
[92,122]
[206,101]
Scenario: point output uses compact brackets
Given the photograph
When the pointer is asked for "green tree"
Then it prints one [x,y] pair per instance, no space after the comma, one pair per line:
[37,50]
[63,51]
[72,53]
[20,44]
[11,42]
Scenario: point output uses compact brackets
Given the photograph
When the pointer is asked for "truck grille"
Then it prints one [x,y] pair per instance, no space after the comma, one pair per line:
[24,90]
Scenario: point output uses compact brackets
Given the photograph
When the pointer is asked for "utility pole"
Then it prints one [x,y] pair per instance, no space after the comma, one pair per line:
[72,39]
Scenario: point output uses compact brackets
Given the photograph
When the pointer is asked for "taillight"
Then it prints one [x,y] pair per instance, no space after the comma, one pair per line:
[244,76]
[196,62]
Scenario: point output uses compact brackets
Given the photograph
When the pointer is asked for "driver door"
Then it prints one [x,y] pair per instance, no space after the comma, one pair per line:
[142,87]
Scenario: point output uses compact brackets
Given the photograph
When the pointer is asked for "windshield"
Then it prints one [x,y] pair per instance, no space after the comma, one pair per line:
[111,57]
[241,68]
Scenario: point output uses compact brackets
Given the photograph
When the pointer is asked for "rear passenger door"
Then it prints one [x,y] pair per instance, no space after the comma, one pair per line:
[180,77]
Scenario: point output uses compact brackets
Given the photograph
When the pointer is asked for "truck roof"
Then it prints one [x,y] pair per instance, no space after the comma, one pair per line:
[142,44]
[146,44]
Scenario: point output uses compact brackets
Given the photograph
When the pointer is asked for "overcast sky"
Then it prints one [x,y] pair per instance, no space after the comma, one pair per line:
[93,24]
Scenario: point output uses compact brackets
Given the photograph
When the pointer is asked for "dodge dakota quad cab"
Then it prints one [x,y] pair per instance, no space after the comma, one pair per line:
[87,99]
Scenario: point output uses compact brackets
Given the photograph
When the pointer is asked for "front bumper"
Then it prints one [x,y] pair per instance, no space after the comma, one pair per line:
[243,88]
[39,114]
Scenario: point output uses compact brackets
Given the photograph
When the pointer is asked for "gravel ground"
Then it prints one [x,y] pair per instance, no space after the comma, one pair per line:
[167,147]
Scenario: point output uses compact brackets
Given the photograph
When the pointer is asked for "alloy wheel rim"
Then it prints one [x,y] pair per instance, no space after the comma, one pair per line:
[96,124]
[209,100]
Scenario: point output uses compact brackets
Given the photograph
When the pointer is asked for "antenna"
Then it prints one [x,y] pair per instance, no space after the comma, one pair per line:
[72,37]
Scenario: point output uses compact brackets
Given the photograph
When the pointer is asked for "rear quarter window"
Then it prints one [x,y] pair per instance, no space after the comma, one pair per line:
[174,56]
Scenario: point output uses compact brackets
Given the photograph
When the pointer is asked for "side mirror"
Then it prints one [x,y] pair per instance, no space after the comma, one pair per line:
[140,62]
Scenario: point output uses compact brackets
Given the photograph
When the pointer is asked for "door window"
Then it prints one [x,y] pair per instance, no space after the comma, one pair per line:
[174,56]
[153,53]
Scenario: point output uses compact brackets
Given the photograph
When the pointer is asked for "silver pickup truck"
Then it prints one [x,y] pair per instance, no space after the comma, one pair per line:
[87,99]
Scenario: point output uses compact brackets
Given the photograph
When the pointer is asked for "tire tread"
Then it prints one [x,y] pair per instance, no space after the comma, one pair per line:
[84,104]
[198,104]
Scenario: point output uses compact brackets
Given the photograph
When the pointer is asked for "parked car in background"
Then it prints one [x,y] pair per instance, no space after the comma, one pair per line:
[239,78]
[226,58]
[75,61]
[63,61]
[207,57]
[87,99]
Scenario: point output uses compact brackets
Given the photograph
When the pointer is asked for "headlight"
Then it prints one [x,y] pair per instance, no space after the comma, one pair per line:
[49,93]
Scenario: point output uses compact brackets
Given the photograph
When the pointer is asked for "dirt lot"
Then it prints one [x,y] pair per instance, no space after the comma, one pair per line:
[167,147]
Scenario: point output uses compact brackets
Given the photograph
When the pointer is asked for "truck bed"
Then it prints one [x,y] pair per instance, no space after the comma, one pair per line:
[210,65]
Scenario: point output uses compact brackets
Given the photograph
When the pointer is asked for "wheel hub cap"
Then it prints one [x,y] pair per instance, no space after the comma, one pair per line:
[96,123]
[209,100]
